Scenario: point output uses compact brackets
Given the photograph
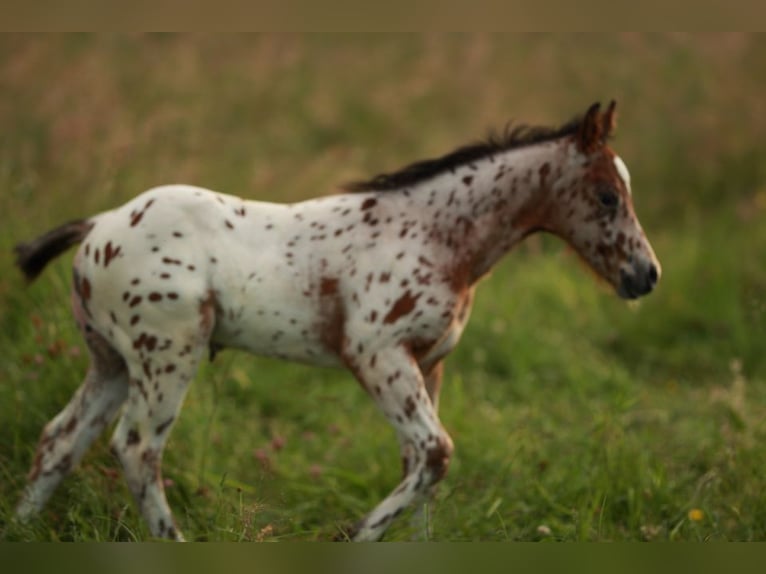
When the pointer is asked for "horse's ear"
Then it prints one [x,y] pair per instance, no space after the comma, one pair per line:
[589,136]
[609,120]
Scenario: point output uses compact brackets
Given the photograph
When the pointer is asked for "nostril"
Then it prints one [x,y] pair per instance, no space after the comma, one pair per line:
[653,274]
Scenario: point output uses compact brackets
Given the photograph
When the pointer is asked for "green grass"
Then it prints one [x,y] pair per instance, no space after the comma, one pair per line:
[574,415]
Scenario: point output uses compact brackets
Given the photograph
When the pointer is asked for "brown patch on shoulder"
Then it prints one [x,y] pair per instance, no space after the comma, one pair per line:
[459,275]
[332,322]
[404,305]
[328,286]
[332,314]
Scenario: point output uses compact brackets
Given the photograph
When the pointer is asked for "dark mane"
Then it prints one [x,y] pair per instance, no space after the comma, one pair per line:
[512,137]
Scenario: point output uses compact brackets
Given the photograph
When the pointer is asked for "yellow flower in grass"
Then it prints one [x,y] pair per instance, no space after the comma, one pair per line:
[696,515]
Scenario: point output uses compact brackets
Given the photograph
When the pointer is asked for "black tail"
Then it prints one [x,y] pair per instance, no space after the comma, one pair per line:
[32,257]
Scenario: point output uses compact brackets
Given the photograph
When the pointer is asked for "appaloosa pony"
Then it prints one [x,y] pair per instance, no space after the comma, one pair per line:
[379,281]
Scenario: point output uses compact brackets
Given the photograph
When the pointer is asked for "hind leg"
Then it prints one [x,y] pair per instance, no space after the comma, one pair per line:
[139,439]
[67,436]
[160,373]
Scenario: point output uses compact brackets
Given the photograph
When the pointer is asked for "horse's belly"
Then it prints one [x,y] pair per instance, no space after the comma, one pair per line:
[283,334]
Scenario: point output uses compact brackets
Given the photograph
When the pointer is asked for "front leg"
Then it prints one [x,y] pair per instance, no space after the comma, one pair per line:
[421,519]
[393,379]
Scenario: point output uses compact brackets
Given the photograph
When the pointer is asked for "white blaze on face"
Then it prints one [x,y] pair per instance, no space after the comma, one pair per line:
[622,169]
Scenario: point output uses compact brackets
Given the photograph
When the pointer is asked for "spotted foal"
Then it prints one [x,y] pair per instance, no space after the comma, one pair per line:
[379,281]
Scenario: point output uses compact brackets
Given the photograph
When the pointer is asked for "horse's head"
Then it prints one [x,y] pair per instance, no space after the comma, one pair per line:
[594,209]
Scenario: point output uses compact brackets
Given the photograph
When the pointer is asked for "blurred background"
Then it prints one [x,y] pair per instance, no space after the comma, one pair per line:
[574,415]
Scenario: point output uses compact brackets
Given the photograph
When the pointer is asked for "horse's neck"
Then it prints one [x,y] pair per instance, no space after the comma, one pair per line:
[482,209]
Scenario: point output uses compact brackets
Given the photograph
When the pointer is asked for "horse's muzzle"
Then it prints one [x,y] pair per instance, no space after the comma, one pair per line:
[641,282]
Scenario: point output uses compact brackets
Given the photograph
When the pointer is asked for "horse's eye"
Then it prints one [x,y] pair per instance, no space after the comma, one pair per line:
[608,199]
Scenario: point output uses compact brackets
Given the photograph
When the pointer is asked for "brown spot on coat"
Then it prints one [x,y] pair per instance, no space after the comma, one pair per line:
[369,203]
[63,465]
[71,425]
[136,216]
[85,290]
[404,305]
[133,438]
[162,427]
[110,253]
[409,407]
[545,169]
[37,465]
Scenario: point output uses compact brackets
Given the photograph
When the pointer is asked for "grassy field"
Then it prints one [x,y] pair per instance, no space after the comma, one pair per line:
[574,415]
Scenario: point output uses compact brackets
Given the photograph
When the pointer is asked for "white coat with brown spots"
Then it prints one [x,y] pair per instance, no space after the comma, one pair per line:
[379,281]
